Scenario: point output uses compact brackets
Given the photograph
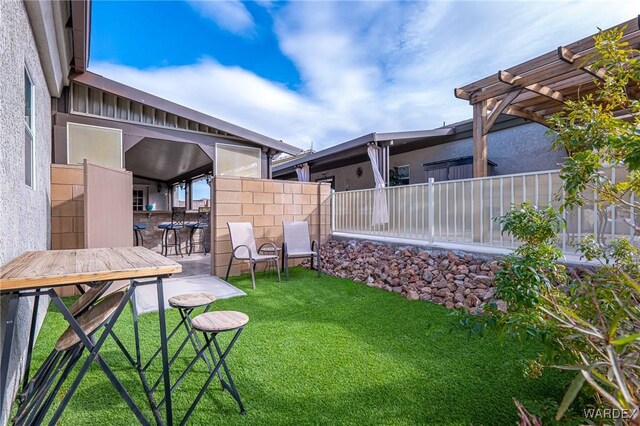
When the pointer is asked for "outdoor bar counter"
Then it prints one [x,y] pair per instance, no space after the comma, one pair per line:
[152,236]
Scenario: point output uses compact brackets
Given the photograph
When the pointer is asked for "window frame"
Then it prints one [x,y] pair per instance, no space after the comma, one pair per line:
[259,150]
[408,178]
[186,195]
[145,197]
[30,130]
[193,180]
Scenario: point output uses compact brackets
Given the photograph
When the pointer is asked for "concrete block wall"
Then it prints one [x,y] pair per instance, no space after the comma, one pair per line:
[67,211]
[265,203]
[67,206]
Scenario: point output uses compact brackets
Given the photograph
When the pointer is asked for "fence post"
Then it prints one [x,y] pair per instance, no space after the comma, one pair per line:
[332,200]
[432,228]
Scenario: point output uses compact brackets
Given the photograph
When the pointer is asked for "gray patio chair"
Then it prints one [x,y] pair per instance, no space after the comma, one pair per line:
[297,244]
[244,248]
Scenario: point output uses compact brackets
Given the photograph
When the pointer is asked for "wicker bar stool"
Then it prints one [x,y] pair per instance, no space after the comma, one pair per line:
[46,383]
[210,324]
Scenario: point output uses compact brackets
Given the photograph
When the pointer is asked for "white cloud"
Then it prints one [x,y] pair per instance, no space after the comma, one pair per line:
[230,15]
[375,66]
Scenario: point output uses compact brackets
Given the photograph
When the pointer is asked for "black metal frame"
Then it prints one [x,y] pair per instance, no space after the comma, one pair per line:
[177,224]
[34,397]
[202,225]
[229,385]
[138,232]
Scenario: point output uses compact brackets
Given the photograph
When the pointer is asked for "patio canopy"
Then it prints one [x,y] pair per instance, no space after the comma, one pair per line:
[536,88]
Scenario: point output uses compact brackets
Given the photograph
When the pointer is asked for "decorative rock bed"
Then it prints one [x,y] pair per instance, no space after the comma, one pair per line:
[446,278]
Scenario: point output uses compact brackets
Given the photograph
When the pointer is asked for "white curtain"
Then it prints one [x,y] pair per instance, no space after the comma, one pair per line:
[380,213]
[303,173]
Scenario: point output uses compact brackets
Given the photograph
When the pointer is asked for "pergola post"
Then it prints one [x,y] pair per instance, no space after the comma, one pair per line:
[479,139]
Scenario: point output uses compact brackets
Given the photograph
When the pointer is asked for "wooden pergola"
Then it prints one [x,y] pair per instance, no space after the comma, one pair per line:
[536,88]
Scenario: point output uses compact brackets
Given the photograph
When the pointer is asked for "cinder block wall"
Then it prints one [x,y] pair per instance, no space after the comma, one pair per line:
[67,206]
[265,203]
[67,211]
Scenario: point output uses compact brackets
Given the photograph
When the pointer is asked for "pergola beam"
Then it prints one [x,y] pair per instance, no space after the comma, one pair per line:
[508,78]
[479,140]
[515,111]
[497,109]
[569,57]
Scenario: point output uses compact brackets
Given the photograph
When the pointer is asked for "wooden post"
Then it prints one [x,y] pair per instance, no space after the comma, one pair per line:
[479,140]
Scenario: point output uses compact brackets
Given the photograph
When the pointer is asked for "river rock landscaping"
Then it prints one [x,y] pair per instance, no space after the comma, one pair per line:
[443,277]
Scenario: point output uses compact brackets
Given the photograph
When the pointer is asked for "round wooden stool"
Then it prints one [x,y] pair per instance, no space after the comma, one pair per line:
[186,304]
[210,324]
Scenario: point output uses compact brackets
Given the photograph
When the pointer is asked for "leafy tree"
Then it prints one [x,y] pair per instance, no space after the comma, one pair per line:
[590,322]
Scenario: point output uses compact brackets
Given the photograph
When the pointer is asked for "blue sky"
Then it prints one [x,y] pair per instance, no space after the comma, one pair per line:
[324,72]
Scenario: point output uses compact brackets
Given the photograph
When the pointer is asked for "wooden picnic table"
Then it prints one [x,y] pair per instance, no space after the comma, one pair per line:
[36,273]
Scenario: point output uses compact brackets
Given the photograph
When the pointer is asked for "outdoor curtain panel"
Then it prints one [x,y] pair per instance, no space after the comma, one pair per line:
[380,212]
[303,173]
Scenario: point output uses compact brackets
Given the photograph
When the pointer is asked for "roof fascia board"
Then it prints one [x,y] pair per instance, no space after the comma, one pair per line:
[119,89]
[46,31]
[174,135]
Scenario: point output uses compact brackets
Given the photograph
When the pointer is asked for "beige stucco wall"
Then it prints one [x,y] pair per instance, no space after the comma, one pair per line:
[266,204]
[24,212]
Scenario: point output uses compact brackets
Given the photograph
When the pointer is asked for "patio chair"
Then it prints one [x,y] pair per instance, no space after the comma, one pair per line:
[244,248]
[297,244]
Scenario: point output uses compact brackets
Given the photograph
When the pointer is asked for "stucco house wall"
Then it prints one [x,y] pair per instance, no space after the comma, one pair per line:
[25,214]
[519,149]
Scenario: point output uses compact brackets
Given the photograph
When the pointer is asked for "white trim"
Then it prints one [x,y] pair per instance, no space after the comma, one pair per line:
[31,129]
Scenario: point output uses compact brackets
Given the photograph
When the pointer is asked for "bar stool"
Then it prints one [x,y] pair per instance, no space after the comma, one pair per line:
[202,225]
[210,324]
[137,231]
[176,225]
[46,383]
[186,304]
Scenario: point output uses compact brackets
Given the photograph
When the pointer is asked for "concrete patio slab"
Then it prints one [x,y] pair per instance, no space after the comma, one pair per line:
[146,298]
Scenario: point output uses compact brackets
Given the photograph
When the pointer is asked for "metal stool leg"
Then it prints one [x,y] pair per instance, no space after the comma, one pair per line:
[221,362]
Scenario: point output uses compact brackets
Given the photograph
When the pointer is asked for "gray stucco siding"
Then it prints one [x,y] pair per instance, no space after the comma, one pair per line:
[25,212]
[519,149]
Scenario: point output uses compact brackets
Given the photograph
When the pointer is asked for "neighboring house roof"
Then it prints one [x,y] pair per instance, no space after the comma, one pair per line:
[285,158]
[396,137]
[121,90]
[353,151]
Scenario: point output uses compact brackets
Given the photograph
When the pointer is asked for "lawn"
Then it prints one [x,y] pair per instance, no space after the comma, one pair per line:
[330,351]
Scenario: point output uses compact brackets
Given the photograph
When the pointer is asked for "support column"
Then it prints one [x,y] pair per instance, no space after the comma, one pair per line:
[479,140]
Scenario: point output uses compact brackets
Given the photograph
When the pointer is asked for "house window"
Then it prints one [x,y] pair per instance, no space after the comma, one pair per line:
[235,160]
[179,195]
[200,193]
[139,198]
[403,174]
[29,156]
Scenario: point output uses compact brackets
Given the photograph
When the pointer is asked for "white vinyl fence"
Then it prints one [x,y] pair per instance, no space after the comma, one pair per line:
[462,211]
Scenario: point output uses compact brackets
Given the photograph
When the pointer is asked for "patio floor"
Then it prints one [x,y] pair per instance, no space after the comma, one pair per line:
[195,278]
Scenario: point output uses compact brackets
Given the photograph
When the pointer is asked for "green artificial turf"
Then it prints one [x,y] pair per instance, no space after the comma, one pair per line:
[327,351]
